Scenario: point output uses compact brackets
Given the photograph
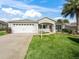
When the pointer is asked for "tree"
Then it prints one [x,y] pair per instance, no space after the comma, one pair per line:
[71,8]
[66,21]
[60,21]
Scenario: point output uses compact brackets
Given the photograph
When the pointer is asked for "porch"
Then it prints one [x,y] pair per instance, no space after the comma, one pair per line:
[46,28]
[46,25]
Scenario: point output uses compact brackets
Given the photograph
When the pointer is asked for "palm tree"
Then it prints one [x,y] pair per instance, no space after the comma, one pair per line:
[71,8]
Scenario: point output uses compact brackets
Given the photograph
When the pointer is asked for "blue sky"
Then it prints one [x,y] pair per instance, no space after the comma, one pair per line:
[33,9]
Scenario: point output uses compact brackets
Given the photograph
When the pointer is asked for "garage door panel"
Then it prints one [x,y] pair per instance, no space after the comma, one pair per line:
[24,29]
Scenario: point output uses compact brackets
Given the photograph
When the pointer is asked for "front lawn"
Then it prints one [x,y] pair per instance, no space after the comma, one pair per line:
[2,33]
[55,46]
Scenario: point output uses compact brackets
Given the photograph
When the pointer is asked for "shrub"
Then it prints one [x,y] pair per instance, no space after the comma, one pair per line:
[8,30]
[2,29]
[67,31]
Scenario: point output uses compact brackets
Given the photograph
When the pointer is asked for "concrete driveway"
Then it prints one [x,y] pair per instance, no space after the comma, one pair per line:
[14,46]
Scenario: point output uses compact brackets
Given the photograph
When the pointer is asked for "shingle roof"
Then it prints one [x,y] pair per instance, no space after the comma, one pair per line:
[28,21]
[23,21]
[2,22]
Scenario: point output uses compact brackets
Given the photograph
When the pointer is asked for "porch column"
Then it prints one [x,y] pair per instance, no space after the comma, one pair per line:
[41,30]
[48,28]
[54,28]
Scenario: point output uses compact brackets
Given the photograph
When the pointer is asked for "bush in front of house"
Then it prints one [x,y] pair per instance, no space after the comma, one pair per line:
[8,30]
[67,31]
[2,29]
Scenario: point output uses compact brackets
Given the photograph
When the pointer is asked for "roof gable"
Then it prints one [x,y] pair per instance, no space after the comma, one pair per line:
[46,20]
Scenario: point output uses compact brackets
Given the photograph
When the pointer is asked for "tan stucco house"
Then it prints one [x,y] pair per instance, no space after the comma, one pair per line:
[30,26]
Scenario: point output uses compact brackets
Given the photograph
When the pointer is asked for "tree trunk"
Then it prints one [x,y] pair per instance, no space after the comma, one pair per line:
[77,22]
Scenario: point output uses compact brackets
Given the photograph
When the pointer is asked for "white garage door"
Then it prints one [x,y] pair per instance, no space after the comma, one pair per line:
[24,28]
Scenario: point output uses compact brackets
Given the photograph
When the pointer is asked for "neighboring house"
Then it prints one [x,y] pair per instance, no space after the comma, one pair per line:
[29,26]
[3,25]
[60,26]
[71,26]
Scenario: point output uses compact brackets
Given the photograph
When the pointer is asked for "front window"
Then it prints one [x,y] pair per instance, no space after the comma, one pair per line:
[44,26]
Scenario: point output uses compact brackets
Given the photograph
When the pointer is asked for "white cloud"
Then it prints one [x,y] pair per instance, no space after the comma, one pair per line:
[4,19]
[12,11]
[28,13]
[32,13]
[21,5]
[36,11]
[15,18]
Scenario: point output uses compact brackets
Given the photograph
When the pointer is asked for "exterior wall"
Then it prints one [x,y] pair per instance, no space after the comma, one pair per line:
[48,29]
[59,27]
[36,26]
[48,22]
[42,21]
[11,25]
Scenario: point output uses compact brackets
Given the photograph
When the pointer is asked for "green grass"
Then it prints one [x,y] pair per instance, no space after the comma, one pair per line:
[2,33]
[56,46]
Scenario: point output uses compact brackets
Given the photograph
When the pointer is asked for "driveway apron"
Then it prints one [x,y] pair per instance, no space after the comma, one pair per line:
[14,46]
